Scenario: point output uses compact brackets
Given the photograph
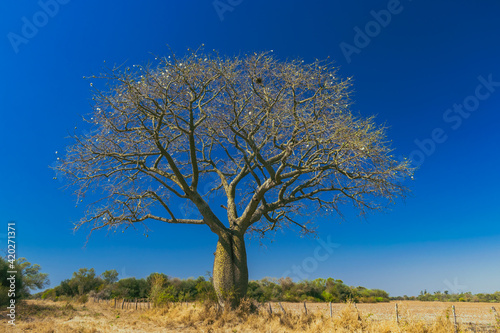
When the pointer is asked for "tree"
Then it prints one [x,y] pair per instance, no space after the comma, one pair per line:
[67,287]
[131,288]
[85,280]
[156,285]
[27,278]
[110,276]
[277,136]
[32,277]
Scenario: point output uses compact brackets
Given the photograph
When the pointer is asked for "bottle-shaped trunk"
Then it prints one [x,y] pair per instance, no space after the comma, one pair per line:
[230,276]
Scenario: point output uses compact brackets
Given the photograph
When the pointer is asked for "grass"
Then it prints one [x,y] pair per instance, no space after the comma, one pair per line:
[55,317]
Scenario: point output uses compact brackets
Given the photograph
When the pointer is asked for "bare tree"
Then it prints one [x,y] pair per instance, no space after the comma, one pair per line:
[278,136]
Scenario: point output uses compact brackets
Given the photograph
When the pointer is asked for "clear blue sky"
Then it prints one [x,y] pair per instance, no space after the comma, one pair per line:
[415,66]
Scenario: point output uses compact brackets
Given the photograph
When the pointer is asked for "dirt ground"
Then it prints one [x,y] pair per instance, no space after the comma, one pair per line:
[48,317]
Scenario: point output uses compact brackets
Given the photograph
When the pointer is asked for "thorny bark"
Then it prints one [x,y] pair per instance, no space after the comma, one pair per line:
[230,273]
[278,136]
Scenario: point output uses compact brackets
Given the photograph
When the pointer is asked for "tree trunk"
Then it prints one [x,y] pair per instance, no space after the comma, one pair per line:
[230,275]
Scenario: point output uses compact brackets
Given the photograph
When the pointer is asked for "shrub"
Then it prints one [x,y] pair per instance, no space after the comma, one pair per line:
[83,299]
[49,294]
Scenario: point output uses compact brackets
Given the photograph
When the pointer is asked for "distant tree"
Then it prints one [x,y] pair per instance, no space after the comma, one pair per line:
[67,287]
[278,137]
[27,278]
[255,291]
[157,277]
[33,279]
[85,280]
[110,276]
[156,287]
[205,289]
[131,288]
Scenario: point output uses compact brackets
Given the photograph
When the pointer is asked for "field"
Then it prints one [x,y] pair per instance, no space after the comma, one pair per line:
[47,317]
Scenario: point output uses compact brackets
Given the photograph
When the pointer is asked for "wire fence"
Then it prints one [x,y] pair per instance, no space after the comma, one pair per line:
[378,311]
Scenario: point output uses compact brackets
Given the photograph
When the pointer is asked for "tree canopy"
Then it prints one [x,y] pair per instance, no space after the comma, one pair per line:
[278,137]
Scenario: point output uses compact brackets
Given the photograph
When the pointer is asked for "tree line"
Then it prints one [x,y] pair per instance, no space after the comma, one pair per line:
[160,288]
[446,296]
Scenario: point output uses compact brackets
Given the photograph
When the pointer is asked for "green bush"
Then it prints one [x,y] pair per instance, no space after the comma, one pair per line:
[49,294]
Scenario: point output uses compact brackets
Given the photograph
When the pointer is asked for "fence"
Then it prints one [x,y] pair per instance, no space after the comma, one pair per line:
[135,304]
[463,313]
[382,310]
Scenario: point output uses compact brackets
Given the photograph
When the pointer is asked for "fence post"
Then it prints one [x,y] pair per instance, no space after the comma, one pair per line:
[282,309]
[115,304]
[270,308]
[331,310]
[397,314]
[305,307]
[454,318]
[123,303]
[356,307]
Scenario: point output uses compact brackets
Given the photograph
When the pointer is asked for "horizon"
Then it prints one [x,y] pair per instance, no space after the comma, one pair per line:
[427,70]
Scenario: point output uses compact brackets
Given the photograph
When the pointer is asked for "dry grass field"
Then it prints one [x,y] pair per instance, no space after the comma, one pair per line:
[48,317]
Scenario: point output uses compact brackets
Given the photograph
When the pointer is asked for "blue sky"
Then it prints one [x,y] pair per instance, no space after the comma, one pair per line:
[413,68]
